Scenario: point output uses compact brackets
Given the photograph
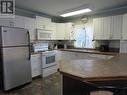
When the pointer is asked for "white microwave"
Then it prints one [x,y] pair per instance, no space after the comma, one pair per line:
[43,34]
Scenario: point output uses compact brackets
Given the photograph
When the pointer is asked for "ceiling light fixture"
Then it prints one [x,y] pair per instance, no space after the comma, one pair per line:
[76,12]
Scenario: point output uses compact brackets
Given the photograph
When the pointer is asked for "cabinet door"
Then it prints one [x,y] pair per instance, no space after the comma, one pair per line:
[43,23]
[19,21]
[60,31]
[30,25]
[95,22]
[106,28]
[116,27]
[53,32]
[36,65]
[7,22]
[124,32]
[68,31]
[98,28]
[48,24]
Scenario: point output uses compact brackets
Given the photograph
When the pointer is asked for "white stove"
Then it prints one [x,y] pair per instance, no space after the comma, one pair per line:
[49,65]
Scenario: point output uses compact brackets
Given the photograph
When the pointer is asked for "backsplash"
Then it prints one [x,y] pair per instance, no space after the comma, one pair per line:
[51,44]
[114,45]
[39,46]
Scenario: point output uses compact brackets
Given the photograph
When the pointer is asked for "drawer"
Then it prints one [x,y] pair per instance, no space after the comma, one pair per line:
[48,71]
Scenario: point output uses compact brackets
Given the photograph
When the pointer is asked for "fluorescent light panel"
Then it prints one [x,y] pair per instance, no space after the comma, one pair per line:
[76,12]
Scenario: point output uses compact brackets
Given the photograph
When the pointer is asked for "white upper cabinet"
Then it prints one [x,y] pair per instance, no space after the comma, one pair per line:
[116,27]
[27,23]
[60,31]
[43,23]
[106,28]
[19,21]
[102,28]
[53,32]
[30,25]
[64,31]
[6,22]
[69,34]
[124,32]
[98,28]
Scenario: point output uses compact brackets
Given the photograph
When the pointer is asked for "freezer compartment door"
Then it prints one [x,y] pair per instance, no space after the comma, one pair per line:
[14,36]
[17,67]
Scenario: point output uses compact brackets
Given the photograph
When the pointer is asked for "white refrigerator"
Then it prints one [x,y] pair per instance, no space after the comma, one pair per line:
[15,66]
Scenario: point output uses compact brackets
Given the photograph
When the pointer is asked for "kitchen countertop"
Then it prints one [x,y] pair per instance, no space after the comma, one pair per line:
[96,70]
[81,51]
[32,53]
[40,52]
[90,51]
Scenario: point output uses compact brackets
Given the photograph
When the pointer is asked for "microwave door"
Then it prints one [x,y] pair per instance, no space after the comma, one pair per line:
[43,34]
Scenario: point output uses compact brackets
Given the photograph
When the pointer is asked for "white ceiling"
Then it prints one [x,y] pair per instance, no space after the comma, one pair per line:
[57,7]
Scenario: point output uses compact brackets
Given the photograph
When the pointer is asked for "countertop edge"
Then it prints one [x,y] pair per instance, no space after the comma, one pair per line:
[80,51]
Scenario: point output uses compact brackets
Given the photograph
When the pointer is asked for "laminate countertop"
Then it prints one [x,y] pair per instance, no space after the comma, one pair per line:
[96,70]
[90,51]
[80,51]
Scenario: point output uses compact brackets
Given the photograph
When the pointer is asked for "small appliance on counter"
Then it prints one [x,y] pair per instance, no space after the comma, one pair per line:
[104,48]
[60,46]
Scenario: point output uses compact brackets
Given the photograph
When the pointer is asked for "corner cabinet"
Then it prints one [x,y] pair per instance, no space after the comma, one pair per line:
[124,32]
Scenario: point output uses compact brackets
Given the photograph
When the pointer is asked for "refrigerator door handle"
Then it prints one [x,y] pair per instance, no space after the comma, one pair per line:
[29,45]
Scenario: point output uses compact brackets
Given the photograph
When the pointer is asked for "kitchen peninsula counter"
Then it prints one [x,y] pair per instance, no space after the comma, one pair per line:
[92,51]
[81,51]
[77,72]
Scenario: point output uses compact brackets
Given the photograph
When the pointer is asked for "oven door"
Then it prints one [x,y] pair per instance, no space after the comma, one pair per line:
[48,60]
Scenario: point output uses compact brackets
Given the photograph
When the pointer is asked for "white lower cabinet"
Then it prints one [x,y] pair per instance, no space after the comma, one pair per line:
[36,65]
